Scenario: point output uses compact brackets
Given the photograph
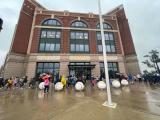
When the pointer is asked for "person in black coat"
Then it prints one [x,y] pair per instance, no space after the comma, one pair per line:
[1,82]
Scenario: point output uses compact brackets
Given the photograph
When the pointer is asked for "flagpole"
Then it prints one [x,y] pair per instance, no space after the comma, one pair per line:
[108,103]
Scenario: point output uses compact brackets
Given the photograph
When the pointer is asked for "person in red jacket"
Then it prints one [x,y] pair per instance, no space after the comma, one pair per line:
[46,78]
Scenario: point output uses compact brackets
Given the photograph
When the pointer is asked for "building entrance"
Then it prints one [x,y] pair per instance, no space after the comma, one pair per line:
[81,69]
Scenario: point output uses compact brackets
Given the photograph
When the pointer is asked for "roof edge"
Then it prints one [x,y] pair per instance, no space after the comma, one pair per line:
[37,4]
[115,10]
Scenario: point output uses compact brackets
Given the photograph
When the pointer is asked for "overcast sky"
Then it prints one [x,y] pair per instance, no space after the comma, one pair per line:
[143,17]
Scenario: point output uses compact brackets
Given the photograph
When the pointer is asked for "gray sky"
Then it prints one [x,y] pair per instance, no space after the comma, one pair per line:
[143,17]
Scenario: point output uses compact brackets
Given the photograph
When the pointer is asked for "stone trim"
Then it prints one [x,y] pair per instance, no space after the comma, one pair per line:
[69,28]
[120,39]
[26,65]
[31,34]
[14,34]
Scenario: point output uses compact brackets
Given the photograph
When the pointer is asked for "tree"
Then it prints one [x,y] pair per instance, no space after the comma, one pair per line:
[152,60]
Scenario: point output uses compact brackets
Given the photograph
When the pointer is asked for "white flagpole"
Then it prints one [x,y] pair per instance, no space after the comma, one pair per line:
[109,102]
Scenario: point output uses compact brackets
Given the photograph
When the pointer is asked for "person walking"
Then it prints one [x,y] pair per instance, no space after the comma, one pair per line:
[93,80]
[130,78]
[25,80]
[15,81]
[21,84]
[1,82]
[63,80]
[32,83]
[139,78]
[46,83]
[57,79]
[10,83]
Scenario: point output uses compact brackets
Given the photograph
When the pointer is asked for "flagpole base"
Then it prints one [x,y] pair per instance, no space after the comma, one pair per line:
[106,104]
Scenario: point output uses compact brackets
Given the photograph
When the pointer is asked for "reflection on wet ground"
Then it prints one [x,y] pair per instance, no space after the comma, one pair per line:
[136,102]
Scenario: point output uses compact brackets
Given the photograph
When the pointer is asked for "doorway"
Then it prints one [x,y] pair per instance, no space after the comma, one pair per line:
[81,69]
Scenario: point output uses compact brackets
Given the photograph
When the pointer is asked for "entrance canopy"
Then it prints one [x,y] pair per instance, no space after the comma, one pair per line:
[81,66]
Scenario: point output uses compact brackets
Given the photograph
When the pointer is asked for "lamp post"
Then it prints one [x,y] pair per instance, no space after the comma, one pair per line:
[108,103]
[1,23]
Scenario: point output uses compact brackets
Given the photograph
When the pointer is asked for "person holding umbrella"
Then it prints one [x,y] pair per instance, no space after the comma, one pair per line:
[46,78]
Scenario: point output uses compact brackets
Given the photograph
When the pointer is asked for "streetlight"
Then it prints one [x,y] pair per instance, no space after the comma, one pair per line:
[1,22]
[108,103]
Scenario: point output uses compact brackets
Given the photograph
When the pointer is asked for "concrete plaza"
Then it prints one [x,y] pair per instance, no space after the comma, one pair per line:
[136,102]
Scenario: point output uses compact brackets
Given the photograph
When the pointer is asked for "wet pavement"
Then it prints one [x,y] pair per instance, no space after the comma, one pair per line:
[136,102]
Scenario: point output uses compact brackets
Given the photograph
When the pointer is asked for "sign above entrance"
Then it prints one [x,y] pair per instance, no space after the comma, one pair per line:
[110,58]
[48,58]
[79,58]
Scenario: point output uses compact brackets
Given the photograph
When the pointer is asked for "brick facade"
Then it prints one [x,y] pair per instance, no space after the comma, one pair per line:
[126,36]
[23,31]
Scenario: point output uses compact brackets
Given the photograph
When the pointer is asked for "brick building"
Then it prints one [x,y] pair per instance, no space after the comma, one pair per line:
[69,43]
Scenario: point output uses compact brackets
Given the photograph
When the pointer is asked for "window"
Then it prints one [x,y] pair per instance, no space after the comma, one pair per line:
[50,34]
[73,47]
[42,46]
[50,38]
[52,47]
[99,37]
[57,47]
[58,34]
[43,34]
[81,47]
[79,40]
[47,47]
[73,35]
[79,24]
[52,68]
[51,22]
[110,36]
[112,69]
[106,36]
[109,40]
[86,36]
[86,48]
[105,26]
[100,48]
[78,47]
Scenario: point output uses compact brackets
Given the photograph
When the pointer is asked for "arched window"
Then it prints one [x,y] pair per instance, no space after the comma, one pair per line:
[79,40]
[79,24]
[109,39]
[105,26]
[51,22]
[50,38]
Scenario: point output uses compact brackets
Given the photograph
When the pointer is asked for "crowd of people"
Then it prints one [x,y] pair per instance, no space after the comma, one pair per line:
[16,82]
[131,78]
[152,79]
[13,82]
